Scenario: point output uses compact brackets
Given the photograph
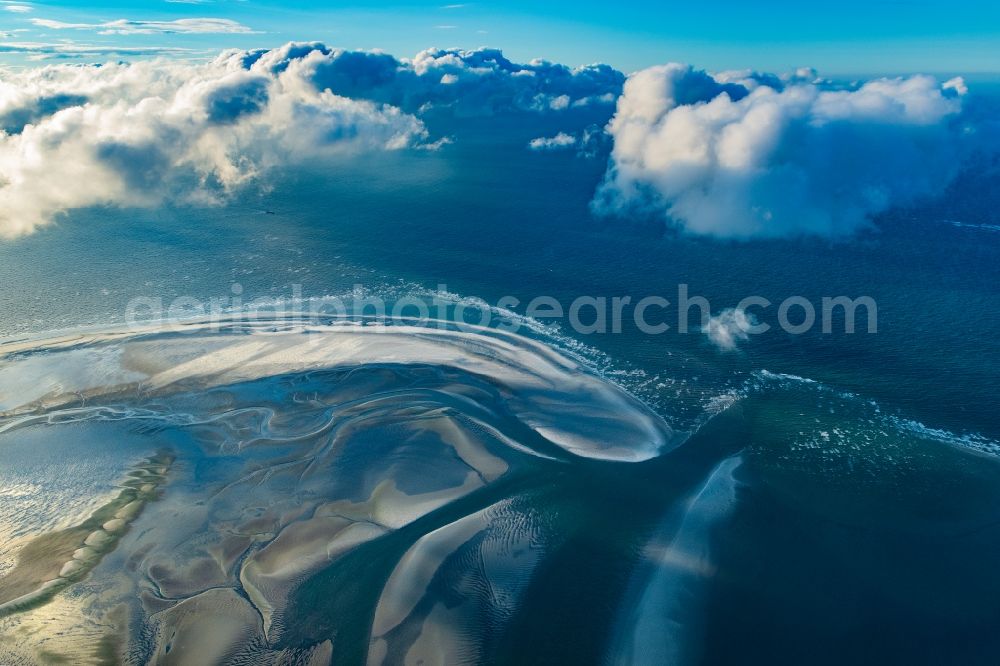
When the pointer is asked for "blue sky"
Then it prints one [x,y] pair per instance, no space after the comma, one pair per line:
[851,37]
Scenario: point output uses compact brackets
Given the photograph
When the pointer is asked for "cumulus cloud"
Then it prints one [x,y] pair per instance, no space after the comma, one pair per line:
[587,143]
[744,155]
[480,81]
[127,27]
[140,134]
[736,154]
[17,9]
[143,133]
[729,328]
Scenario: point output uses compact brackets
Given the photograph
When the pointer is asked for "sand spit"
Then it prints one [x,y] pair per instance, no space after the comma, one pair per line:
[52,562]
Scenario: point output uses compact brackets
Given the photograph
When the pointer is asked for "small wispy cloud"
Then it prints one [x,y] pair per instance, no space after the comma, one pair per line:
[127,27]
[445,27]
[560,141]
[729,328]
[68,49]
[18,9]
[460,6]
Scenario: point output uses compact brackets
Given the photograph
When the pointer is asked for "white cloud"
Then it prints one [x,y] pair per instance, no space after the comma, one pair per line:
[62,25]
[738,154]
[561,141]
[18,9]
[749,155]
[479,81]
[139,134]
[589,142]
[69,50]
[956,84]
[144,133]
[127,27]
[729,328]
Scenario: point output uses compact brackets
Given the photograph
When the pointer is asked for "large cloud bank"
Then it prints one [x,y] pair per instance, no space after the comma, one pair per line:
[137,134]
[737,154]
[144,133]
[749,155]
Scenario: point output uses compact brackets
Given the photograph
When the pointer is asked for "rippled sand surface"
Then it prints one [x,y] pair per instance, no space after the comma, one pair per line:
[293,493]
[293,448]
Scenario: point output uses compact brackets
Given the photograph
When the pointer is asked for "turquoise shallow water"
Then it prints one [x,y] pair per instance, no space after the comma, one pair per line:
[817,498]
